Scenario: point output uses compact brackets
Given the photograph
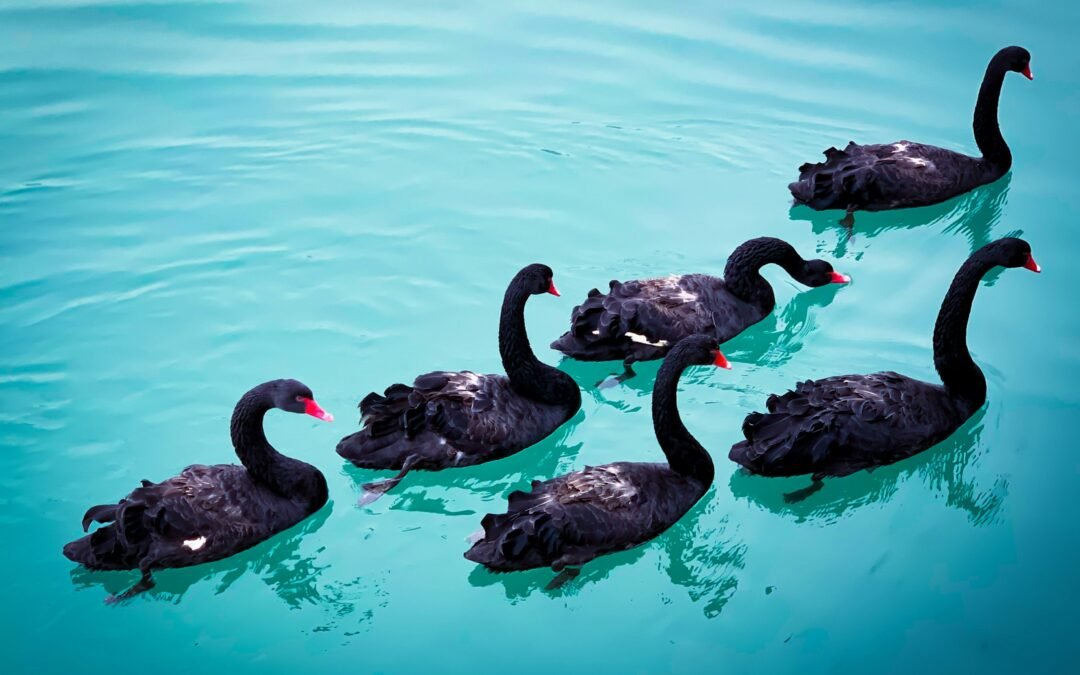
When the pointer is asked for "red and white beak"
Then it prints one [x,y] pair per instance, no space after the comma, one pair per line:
[315,410]
[551,288]
[1032,265]
[837,278]
[1026,72]
[720,361]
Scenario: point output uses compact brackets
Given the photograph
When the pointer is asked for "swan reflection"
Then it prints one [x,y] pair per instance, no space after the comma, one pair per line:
[946,469]
[972,215]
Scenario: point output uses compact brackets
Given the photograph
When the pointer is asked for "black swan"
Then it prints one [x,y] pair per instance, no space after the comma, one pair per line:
[905,174]
[210,512]
[450,419]
[640,320]
[839,425]
[565,522]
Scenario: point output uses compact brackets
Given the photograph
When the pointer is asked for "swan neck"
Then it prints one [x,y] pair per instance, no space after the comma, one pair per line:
[742,274]
[287,477]
[987,132]
[961,376]
[528,375]
[684,454]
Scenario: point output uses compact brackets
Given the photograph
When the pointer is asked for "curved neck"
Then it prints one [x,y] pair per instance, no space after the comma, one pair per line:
[742,274]
[961,377]
[286,476]
[685,455]
[528,376]
[987,133]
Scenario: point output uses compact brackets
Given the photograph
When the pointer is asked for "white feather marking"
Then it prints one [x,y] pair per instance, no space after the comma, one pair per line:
[899,148]
[638,337]
[195,544]
[686,296]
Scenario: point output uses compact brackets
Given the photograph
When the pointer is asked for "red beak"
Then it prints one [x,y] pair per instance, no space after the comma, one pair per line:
[837,278]
[720,360]
[1026,72]
[1032,265]
[552,289]
[315,410]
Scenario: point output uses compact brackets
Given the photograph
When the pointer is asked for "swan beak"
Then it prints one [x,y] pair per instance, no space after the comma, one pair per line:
[720,360]
[551,288]
[315,410]
[1032,265]
[1026,72]
[837,278]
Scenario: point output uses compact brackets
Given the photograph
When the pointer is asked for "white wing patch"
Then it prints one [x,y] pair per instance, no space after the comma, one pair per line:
[638,337]
[195,544]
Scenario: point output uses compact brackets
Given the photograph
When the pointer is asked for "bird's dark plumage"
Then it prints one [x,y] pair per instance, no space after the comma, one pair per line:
[574,518]
[838,425]
[906,174]
[447,419]
[210,512]
[642,320]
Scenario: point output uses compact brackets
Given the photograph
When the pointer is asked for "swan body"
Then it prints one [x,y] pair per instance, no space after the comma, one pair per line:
[210,512]
[569,520]
[908,174]
[449,419]
[838,425]
[642,320]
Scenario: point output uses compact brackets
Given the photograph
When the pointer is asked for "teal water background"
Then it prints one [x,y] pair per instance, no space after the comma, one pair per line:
[198,197]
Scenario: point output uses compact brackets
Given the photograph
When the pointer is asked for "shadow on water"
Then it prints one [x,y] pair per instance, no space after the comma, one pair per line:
[703,561]
[972,215]
[416,492]
[943,469]
[293,576]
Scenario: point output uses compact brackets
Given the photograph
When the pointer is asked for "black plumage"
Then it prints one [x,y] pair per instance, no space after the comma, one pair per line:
[641,320]
[572,519]
[450,419]
[906,174]
[210,512]
[839,425]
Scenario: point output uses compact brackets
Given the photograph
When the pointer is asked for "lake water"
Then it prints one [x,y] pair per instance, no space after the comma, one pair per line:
[195,198]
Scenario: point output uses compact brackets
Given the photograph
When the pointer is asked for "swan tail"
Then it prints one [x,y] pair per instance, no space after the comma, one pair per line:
[524,537]
[118,546]
[393,423]
[792,438]
[843,181]
[597,328]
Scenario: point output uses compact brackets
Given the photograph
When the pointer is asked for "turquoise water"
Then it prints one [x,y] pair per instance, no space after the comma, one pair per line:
[195,198]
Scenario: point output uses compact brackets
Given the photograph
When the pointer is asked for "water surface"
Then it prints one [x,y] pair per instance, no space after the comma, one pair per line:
[197,197]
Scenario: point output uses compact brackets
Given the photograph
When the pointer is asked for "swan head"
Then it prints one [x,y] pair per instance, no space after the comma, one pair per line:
[1017,59]
[537,279]
[699,350]
[1011,252]
[295,397]
[819,273]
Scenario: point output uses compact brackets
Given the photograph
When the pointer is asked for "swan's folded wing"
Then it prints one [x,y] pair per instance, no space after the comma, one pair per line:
[891,175]
[650,312]
[595,510]
[847,422]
